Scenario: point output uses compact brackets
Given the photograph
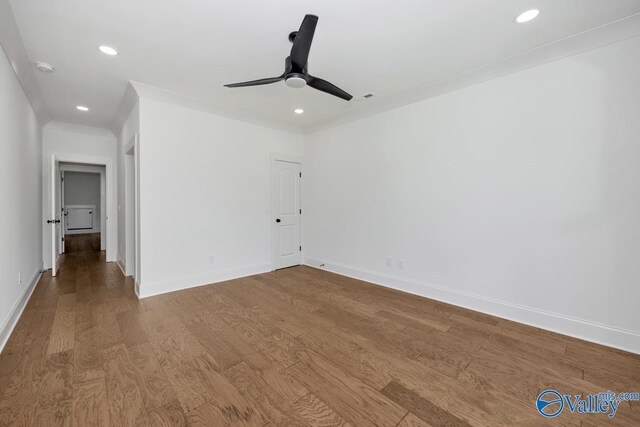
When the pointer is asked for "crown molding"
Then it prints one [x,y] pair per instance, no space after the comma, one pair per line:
[75,128]
[594,38]
[619,30]
[129,100]
[14,49]
[167,96]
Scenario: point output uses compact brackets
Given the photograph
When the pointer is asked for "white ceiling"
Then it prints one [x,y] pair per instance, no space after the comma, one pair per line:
[193,47]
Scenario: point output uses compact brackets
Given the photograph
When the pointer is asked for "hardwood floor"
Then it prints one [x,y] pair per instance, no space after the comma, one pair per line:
[295,347]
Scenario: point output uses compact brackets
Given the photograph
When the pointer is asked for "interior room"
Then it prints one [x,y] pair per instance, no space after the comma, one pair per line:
[424,213]
[82,193]
[81,202]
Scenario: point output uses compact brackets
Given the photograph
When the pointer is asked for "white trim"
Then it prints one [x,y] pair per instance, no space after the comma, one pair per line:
[598,333]
[129,101]
[102,171]
[82,129]
[119,263]
[137,288]
[16,53]
[73,167]
[193,103]
[110,211]
[203,279]
[593,38]
[10,322]
[132,241]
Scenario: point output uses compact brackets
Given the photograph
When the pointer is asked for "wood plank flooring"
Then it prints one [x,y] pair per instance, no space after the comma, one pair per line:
[296,347]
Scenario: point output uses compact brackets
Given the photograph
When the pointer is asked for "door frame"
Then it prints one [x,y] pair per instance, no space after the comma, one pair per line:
[131,199]
[110,225]
[290,158]
[99,170]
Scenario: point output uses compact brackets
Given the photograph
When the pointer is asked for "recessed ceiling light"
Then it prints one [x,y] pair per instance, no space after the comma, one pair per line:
[82,108]
[527,16]
[44,67]
[108,50]
[298,111]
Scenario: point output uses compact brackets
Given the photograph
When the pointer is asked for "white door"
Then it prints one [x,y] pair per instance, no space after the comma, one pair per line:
[286,214]
[63,213]
[56,235]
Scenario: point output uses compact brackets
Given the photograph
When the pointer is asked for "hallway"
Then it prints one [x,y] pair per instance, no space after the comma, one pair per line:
[56,354]
[83,245]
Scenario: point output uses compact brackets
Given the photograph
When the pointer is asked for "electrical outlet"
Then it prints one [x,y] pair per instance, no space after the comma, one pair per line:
[401,264]
[20,279]
[389,262]
[212,260]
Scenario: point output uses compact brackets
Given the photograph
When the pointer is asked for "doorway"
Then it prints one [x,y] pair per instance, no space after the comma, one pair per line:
[286,211]
[83,201]
[53,213]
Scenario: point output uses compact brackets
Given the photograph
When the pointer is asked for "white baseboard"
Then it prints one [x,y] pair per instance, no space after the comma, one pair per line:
[10,322]
[120,265]
[161,287]
[598,333]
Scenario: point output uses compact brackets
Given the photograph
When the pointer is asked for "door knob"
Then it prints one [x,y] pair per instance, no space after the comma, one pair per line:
[278,220]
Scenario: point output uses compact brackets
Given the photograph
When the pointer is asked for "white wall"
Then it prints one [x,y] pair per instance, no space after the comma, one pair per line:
[83,189]
[79,144]
[519,196]
[20,192]
[205,191]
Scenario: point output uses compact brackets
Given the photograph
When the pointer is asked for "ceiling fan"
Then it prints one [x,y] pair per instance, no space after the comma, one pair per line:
[295,66]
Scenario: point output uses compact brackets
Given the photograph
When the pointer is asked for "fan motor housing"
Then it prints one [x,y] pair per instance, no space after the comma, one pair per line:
[295,80]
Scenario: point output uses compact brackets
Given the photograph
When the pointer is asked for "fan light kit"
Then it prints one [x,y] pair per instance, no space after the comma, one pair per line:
[295,65]
[44,67]
[295,81]
[107,50]
[527,16]
[298,111]
[82,108]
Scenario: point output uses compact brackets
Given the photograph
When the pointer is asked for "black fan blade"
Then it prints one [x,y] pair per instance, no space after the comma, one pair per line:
[302,42]
[329,88]
[257,82]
